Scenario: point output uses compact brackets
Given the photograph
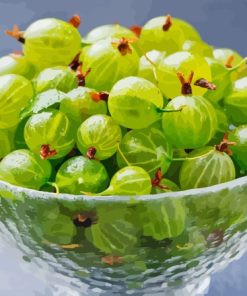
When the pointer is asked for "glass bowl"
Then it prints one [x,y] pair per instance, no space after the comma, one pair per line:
[141,245]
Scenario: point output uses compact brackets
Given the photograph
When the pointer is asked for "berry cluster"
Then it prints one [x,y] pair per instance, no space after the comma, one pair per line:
[114,112]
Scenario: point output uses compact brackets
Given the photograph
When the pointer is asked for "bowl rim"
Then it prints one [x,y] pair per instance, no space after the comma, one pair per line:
[36,194]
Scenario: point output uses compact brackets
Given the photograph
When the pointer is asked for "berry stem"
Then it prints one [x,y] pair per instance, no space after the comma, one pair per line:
[53,184]
[191,158]
[224,145]
[168,23]
[16,33]
[74,65]
[158,178]
[122,155]
[75,21]
[87,193]
[91,152]
[229,61]
[154,66]
[204,83]
[123,45]
[186,83]
[136,29]
[239,65]
[46,152]
[107,191]
[99,96]
[81,77]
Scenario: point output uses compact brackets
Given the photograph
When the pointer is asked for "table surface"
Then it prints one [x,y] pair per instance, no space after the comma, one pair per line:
[221,23]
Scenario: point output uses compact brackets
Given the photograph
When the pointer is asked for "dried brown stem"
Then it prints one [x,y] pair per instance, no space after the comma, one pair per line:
[16,33]
[229,61]
[168,23]
[75,21]
[224,145]
[137,30]
[46,152]
[158,178]
[204,83]
[100,96]
[186,83]
[123,45]
[81,77]
[91,152]
[75,63]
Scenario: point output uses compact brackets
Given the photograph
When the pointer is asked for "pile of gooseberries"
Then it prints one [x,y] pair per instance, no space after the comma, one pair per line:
[109,113]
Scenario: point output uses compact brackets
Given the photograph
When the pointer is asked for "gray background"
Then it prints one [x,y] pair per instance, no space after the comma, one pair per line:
[221,23]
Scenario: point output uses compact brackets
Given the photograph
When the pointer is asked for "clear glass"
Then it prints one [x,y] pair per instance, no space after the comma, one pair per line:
[143,245]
